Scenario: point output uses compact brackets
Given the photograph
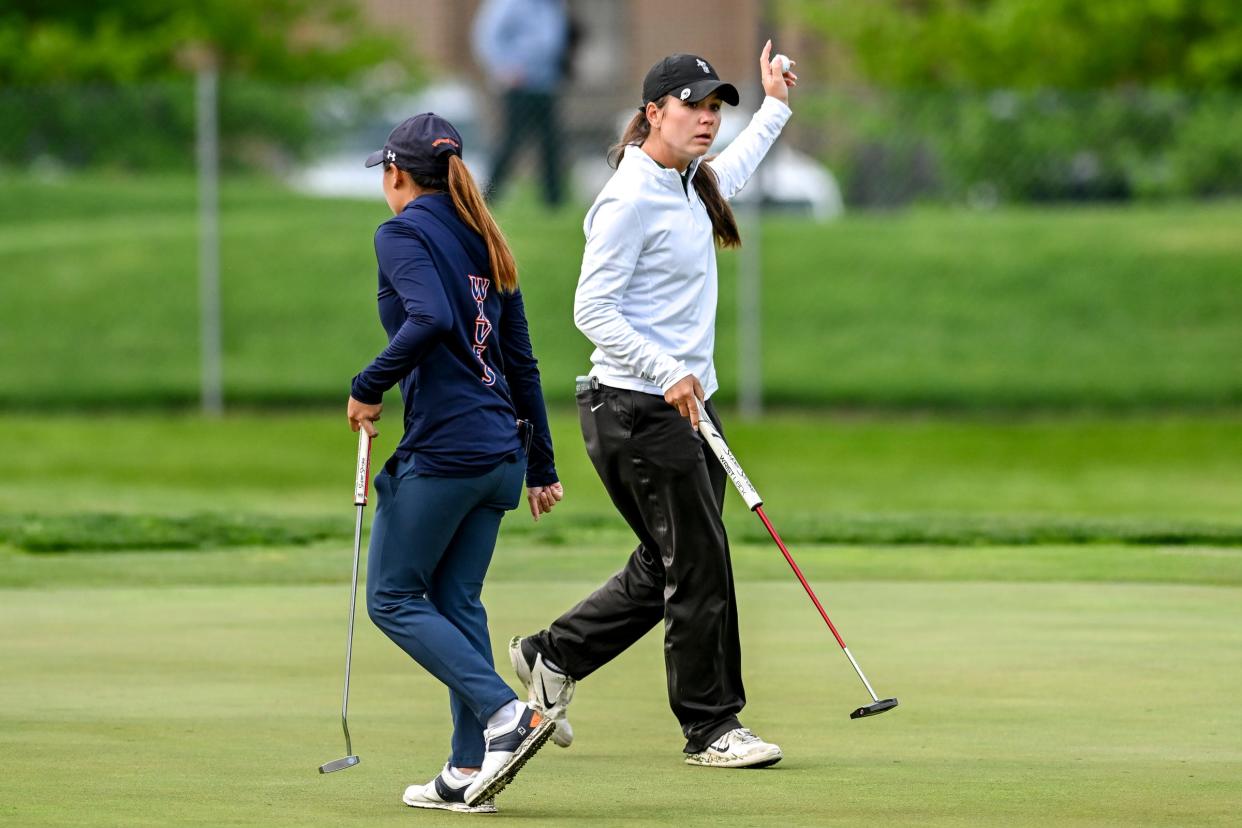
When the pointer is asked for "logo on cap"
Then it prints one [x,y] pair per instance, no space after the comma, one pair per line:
[392,156]
[685,93]
[707,70]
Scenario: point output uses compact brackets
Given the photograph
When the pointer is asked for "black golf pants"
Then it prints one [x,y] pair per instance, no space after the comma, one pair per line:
[670,489]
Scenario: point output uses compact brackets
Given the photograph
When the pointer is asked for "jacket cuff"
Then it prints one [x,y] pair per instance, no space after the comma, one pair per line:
[364,394]
[680,373]
[776,107]
[541,478]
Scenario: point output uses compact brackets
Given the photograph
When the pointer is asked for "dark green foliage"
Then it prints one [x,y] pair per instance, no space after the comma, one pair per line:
[1018,146]
[113,532]
[985,44]
[151,126]
[1108,99]
[127,41]
[110,84]
[960,530]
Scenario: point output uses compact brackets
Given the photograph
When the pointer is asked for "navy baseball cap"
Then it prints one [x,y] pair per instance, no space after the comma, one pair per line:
[421,145]
[687,77]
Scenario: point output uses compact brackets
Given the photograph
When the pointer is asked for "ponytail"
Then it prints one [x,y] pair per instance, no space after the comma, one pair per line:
[473,211]
[470,207]
[724,225]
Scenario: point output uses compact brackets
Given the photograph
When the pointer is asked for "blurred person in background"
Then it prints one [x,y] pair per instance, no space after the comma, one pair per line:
[646,299]
[475,425]
[524,46]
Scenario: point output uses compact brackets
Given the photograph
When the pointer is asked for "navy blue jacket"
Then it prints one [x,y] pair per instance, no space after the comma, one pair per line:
[459,348]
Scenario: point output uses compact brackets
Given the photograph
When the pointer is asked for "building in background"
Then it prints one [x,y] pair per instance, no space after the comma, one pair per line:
[619,42]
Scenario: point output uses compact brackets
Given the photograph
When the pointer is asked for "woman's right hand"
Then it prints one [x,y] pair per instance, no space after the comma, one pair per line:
[361,415]
[776,84]
[685,395]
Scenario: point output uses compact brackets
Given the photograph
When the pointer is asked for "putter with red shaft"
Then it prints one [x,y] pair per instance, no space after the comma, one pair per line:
[361,479]
[747,490]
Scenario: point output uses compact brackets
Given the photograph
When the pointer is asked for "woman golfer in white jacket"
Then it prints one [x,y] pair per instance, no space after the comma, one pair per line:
[646,298]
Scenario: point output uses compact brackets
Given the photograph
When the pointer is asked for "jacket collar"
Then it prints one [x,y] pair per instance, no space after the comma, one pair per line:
[638,160]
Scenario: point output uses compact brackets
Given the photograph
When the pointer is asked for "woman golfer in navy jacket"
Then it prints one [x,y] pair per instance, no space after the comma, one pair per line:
[475,425]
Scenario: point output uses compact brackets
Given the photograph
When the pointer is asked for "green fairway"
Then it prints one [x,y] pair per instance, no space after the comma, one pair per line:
[1084,683]
[1125,307]
[1024,704]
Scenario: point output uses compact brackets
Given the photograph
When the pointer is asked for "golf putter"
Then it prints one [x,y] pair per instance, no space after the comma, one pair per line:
[361,479]
[749,494]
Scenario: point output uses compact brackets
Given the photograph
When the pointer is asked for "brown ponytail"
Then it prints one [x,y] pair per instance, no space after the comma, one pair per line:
[473,211]
[470,207]
[724,225]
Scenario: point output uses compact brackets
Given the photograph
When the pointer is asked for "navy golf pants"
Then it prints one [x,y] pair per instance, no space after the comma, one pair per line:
[431,543]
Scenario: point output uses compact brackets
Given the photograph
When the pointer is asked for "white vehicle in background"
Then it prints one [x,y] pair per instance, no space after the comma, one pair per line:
[341,173]
[787,178]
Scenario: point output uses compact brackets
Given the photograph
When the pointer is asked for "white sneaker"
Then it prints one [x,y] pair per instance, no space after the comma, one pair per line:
[739,748]
[509,746]
[448,793]
[546,689]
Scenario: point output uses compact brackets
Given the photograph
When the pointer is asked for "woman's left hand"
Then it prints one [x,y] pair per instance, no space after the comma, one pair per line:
[775,83]
[543,498]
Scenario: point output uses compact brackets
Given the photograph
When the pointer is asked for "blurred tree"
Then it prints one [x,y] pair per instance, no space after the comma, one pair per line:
[123,41]
[1070,44]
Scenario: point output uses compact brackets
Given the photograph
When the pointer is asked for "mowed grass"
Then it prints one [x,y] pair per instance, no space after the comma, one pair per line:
[1032,704]
[1108,307]
[1085,684]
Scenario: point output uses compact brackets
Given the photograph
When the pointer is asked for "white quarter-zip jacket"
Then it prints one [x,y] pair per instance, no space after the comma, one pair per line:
[647,292]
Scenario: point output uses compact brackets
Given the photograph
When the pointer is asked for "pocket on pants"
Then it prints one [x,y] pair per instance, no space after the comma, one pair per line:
[610,409]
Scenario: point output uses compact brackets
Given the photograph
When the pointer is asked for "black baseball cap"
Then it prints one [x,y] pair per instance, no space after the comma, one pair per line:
[688,77]
[421,145]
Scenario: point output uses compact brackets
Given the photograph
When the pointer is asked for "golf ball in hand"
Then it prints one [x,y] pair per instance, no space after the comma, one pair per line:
[785,63]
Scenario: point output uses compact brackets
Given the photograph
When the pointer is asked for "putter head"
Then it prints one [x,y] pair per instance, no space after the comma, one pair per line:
[339,764]
[874,709]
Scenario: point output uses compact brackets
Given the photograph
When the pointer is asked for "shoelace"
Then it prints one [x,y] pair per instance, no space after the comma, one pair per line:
[741,735]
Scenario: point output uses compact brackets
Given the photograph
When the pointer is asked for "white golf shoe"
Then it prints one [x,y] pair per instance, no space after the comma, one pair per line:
[509,747]
[447,793]
[739,748]
[546,689]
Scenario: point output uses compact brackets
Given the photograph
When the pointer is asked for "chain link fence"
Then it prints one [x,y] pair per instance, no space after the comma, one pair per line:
[99,217]
[882,148]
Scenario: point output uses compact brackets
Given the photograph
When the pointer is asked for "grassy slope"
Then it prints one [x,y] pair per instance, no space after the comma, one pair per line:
[1111,307]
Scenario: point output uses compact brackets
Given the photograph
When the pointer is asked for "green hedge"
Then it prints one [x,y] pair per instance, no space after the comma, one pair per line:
[151,127]
[890,148]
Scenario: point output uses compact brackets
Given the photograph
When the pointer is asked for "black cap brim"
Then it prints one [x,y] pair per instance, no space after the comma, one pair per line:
[699,90]
[374,158]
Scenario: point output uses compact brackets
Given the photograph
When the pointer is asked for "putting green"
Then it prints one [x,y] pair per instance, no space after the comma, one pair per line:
[1031,704]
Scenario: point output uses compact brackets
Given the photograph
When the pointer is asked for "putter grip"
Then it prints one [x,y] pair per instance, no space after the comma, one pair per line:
[732,468]
[363,477]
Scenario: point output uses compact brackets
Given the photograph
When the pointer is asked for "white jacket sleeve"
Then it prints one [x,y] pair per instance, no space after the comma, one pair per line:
[614,243]
[737,162]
